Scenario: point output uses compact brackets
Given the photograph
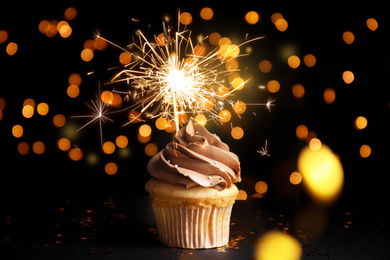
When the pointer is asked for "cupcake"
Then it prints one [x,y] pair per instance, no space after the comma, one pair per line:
[192,189]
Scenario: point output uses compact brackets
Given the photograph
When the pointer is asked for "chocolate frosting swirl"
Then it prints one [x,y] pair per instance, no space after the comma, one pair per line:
[196,158]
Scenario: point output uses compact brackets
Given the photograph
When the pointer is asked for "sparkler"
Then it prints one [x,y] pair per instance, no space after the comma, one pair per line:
[172,76]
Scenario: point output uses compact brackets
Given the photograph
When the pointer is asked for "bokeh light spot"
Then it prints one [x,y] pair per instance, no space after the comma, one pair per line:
[43,109]
[322,173]
[372,24]
[301,131]
[59,120]
[11,48]
[108,147]
[252,17]
[360,123]
[23,148]
[86,55]
[38,147]
[75,154]
[121,141]
[329,95]
[365,151]
[111,168]
[17,131]
[265,66]
[348,77]
[298,90]
[151,149]
[277,245]
[261,187]
[206,13]
[145,130]
[273,86]
[185,18]
[348,37]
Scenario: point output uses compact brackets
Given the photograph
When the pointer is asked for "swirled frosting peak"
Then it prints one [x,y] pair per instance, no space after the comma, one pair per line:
[196,158]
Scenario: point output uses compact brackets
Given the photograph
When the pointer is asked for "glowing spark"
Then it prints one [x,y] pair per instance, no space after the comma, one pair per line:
[264,150]
[98,114]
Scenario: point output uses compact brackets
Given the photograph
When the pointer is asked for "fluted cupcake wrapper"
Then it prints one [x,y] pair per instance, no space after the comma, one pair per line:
[193,228]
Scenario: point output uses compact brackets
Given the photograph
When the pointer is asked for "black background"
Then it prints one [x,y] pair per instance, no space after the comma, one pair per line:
[41,67]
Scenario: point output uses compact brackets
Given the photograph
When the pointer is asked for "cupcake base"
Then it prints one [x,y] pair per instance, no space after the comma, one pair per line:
[197,217]
[193,228]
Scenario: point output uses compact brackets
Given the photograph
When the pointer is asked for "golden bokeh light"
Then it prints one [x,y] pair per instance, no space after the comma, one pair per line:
[261,187]
[11,48]
[237,132]
[171,127]
[107,97]
[265,66]
[100,44]
[224,116]
[63,144]
[298,90]
[145,130]
[201,119]
[239,107]
[348,77]
[360,122]
[372,24]
[3,36]
[252,17]
[238,83]
[70,13]
[302,132]
[309,60]
[86,55]
[214,38]
[322,173]
[275,17]
[293,61]
[143,139]
[206,13]
[43,109]
[242,195]
[125,58]
[121,141]
[134,116]
[151,149]
[277,245]
[315,144]
[17,131]
[224,41]
[23,148]
[75,154]
[108,147]
[281,24]
[116,100]
[28,111]
[161,123]
[73,91]
[273,86]
[185,18]
[222,92]
[329,95]
[38,147]
[365,151]
[74,79]
[111,168]
[59,120]
[295,178]
[348,37]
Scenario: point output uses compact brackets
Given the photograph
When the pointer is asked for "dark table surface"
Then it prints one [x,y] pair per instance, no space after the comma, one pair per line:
[118,226]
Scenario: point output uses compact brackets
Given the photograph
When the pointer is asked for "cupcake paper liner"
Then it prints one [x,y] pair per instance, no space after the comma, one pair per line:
[193,228]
